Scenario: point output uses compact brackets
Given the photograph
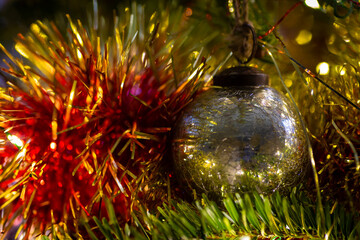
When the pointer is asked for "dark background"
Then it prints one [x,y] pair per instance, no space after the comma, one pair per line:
[16,17]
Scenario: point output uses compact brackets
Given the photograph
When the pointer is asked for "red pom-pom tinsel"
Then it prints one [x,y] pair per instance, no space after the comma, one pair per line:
[86,119]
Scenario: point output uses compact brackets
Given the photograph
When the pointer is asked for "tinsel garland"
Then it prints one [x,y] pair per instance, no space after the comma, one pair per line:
[331,108]
[337,144]
[63,118]
[85,118]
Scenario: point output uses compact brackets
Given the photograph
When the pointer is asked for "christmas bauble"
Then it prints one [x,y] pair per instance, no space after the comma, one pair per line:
[238,137]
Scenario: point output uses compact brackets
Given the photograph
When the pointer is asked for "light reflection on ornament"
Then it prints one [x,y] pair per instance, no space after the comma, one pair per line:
[240,172]
[20,49]
[100,93]
[53,146]
[79,55]
[341,70]
[245,238]
[15,140]
[151,28]
[35,28]
[193,75]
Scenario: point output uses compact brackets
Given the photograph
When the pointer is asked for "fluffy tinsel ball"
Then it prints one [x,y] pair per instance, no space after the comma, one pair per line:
[84,118]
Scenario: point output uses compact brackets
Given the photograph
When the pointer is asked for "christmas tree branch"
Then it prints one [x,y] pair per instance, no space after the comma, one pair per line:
[254,215]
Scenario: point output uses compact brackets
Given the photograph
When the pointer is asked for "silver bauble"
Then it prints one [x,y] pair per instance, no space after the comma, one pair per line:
[239,137]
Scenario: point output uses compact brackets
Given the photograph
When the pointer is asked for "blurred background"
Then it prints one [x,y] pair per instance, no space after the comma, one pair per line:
[16,16]
[305,30]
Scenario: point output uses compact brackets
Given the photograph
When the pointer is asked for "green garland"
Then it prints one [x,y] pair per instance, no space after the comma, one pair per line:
[252,215]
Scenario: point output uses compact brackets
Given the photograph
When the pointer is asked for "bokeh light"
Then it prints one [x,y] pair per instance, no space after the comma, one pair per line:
[312,3]
[304,37]
[323,68]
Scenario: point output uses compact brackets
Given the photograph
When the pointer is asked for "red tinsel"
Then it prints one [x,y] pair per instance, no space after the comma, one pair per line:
[87,123]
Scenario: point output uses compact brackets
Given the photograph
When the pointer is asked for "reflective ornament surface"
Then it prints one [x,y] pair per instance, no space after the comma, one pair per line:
[239,139]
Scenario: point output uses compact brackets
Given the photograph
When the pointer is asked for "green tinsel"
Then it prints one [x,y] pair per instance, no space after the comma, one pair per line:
[248,216]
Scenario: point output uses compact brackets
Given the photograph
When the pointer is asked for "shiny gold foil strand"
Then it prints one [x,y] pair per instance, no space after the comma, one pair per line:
[69,105]
[314,76]
[353,149]
[313,164]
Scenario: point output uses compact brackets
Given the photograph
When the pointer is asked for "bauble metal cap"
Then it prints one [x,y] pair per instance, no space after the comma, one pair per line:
[241,76]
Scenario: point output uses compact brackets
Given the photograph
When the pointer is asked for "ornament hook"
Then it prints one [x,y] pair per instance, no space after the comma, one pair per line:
[240,45]
[243,41]
[241,13]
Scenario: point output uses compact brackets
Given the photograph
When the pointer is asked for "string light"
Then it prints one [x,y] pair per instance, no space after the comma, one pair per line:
[323,68]
[312,3]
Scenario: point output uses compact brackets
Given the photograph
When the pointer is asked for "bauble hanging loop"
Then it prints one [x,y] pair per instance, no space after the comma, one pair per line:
[243,42]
